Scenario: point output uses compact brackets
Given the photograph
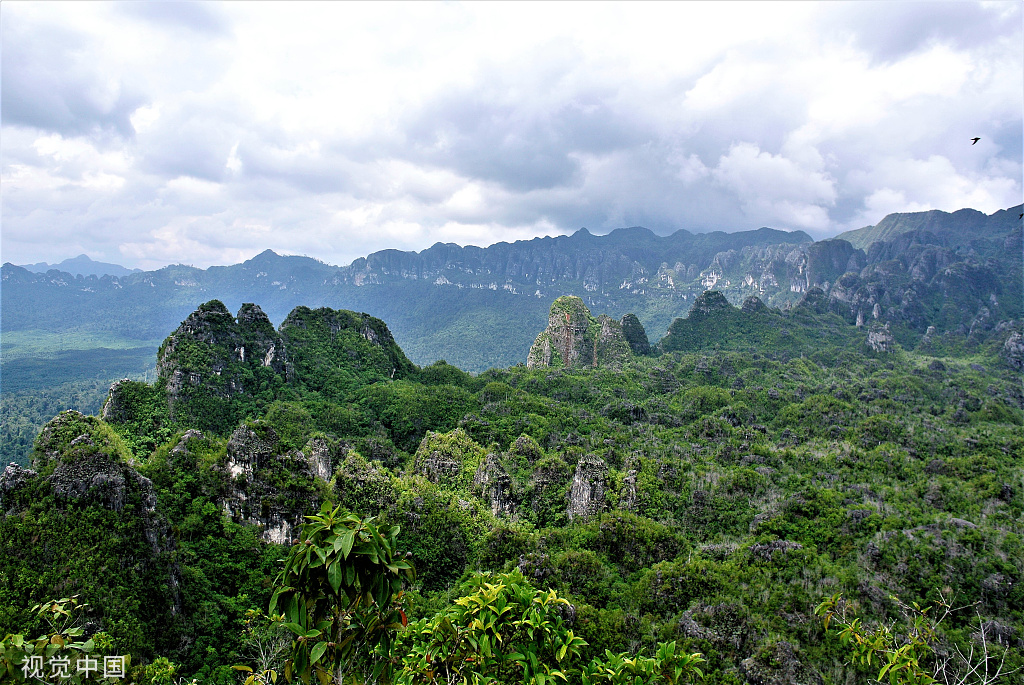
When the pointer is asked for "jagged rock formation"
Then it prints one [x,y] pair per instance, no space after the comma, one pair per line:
[895,274]
[754,305]
[960,226]
[880,339]
[214,364]
[319,454]
[253,466]
[492,481]
[213,357]
[628,495]
[575,339]
[13,478]
[586,495]
[1013,351]
[86,465]
[707,304]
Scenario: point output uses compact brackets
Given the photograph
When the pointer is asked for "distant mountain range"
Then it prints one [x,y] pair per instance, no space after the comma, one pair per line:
[928,274]
[81,266]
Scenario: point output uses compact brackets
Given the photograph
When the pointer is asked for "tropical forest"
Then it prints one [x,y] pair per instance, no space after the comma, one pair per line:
[658,460]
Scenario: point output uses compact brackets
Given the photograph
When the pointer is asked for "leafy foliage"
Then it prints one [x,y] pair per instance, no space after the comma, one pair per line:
[340,594]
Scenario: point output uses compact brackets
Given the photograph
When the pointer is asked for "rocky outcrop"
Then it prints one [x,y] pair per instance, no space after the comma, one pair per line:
[575,339]
[86,465]
[628,495]
[707,304]
[214,364]
[880,339]
[253,468]
[117,408]
[754,305]
[319,455]
[12,479]
[1013,351]
[586,494]
[441,456]
[214,357]
[494,484]
[778,664]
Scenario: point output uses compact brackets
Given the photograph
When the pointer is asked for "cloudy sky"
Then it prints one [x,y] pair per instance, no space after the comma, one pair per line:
[203,133]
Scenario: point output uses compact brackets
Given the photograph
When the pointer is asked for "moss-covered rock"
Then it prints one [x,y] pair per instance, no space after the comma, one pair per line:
[575,339]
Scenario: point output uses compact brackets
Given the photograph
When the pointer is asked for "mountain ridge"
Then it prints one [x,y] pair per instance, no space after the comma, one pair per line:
[476,307]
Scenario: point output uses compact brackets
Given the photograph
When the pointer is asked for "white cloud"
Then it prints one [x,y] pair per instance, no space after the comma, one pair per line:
[202,132]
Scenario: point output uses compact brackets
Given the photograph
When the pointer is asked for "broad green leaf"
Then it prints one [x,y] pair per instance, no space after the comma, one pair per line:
[335,573]
[295,628]
[318,651]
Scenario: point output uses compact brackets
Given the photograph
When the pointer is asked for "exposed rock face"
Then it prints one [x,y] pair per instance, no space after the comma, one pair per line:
[115,409]
[214,364]
[1013,351]
[576,339]
[778,664]
[318,453]
[880,339]
[83,459]
[586,495]
[86,465]
[13,478]
[628,496]
[754,305]
[254,462]
[104,481]
[494,483]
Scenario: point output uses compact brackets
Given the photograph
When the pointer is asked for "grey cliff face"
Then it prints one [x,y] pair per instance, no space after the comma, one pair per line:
[586,495]
[253,458]
[1013,351]
[13,478]
[880,339]
[494,483]
[114,409]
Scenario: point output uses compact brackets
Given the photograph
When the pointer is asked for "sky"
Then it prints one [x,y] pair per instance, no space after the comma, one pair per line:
[151,133]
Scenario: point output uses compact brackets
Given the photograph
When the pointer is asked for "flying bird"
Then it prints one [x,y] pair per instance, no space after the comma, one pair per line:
[974,141]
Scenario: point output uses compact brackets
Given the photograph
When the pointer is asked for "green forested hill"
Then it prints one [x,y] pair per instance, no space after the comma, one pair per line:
[712,494]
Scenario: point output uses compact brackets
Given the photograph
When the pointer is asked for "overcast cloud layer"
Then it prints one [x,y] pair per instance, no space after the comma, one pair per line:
[155,133]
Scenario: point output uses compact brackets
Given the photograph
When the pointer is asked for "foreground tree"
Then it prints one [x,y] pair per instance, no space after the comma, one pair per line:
[340,595]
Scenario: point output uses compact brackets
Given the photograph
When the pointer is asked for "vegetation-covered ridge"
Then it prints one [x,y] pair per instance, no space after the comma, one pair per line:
[705,498]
